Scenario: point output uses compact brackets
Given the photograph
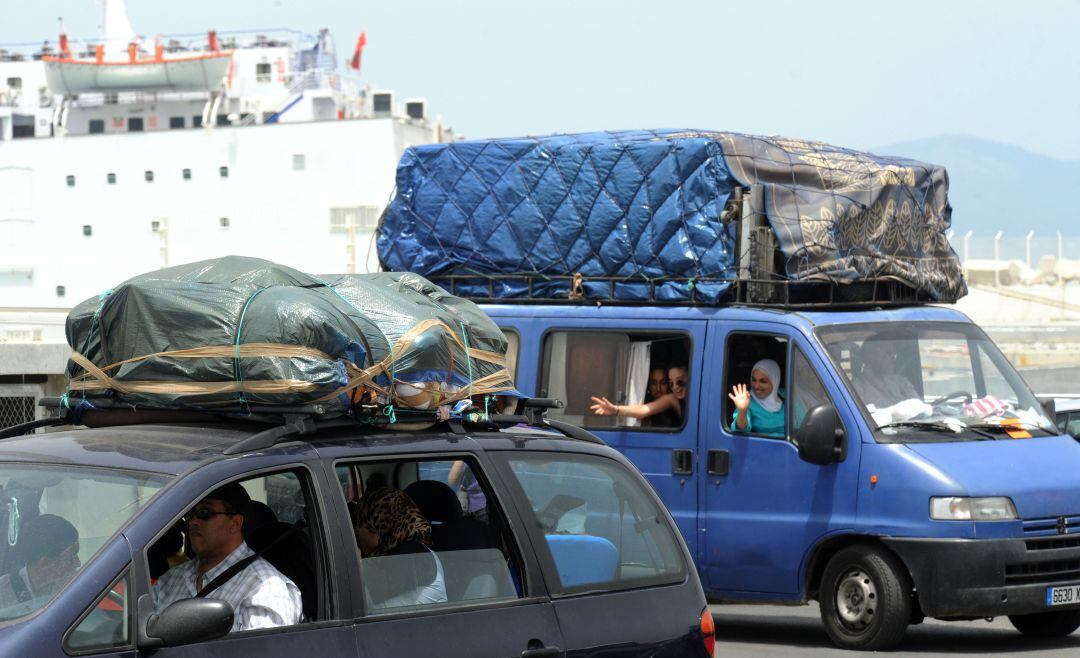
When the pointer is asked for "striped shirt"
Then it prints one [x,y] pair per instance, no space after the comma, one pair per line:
[261,597]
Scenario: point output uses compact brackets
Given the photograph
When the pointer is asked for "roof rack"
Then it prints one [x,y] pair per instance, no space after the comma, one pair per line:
[764,292]
[301,420]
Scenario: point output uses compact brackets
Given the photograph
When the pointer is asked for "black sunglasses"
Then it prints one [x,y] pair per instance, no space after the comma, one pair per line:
[679,383]
[204,514]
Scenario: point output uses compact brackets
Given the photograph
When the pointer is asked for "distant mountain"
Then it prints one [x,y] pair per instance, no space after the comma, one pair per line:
[995,186]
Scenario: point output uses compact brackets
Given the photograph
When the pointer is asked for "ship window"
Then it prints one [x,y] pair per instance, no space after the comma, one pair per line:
[155,225]
[176,122]
[135,125]
[262,72]
[224,222]
[111,97]
[223,171]
[298,162]
[61,291]
[97,126]
[223,120]
[16,83]
[196,121]
[87,230]
[149,176]
[71,181]
[110,178]
[186,174]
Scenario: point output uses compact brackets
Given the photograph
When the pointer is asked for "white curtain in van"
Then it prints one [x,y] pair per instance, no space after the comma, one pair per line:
[637,377]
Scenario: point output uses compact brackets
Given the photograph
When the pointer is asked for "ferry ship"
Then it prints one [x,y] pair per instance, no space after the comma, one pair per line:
[121,154]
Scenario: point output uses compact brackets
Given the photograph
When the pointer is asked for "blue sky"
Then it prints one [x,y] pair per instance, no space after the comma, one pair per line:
[858,74]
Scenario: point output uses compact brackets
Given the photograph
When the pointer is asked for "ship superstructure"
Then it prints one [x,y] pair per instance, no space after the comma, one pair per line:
[119,155]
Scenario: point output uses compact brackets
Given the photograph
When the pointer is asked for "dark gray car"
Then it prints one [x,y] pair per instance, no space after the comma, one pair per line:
[547,545]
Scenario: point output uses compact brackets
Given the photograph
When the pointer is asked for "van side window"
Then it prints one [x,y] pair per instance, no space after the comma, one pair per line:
[428,533]
[618,379]
[272,516]
[599,527]
[807,389]
[755,372]
[513,348]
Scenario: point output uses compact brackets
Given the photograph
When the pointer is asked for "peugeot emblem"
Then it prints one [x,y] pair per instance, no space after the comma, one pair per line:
[1062,525]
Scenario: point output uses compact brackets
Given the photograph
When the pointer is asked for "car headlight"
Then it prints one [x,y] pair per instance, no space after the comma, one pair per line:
[963,508]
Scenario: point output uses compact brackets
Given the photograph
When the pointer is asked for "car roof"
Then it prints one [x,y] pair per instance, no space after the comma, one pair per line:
[175,448]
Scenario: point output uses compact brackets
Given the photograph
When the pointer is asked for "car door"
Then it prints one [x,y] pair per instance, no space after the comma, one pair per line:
[295,496]
[496,604]
[764,508]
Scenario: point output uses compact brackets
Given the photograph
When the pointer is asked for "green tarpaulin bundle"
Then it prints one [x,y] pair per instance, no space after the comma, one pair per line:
[237,333]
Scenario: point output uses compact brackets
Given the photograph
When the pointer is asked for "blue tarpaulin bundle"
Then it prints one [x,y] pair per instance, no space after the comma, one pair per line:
[637,215]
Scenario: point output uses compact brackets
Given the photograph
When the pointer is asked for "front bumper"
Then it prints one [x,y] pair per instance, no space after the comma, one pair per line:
[988,577]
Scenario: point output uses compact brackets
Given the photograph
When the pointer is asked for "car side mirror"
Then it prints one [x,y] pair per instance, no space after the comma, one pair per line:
[1050,405]
[190,620]
[821,437]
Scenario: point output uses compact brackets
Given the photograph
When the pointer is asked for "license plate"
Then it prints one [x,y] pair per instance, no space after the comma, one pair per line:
[1062,595]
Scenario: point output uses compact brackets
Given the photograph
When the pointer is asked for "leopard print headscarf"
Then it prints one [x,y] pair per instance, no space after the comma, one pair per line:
[392,515]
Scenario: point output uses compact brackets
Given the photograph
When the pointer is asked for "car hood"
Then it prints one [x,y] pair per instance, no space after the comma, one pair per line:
[1040,475]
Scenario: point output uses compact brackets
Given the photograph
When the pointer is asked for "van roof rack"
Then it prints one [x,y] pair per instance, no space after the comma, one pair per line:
[673,291]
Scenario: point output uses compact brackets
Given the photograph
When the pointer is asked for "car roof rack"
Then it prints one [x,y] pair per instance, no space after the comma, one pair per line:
[301,420]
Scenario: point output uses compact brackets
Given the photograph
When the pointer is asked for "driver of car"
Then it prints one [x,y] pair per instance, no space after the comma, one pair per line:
[50,548]
[261,597]
[878,382]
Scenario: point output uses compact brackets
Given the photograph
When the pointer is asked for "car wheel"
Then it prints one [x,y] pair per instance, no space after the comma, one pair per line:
[865,599]
[1058,623]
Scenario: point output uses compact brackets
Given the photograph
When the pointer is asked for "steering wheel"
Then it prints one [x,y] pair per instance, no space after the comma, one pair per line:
[955,395]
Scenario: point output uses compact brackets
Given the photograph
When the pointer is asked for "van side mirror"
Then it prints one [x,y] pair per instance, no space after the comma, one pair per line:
[1050,405]
[188,621]
[821,437]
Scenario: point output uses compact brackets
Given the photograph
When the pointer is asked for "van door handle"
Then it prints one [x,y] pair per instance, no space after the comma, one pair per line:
[542,652]
[682,462]
[719,462]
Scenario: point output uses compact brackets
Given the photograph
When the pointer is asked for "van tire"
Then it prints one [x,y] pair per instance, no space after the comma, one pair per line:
[865,599]
[1058,623]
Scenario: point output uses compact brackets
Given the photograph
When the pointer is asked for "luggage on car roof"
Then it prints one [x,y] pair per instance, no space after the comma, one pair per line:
[242,332]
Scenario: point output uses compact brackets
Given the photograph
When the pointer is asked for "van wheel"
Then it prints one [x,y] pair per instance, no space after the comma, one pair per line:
[865,599]
[1047,624]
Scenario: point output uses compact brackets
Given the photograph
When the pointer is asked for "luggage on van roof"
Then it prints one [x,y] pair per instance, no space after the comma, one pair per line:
[243,333]
[671,216]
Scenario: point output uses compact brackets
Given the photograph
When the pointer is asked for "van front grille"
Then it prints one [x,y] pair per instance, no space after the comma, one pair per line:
[1052,526]
[1049,572]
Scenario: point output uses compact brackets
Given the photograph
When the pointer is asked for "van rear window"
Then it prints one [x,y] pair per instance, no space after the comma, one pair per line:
[599,527]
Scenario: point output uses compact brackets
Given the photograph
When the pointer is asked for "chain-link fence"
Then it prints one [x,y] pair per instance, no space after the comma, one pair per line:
[16,409]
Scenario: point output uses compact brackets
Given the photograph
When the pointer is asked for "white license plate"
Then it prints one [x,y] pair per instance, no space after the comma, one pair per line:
[1062,595]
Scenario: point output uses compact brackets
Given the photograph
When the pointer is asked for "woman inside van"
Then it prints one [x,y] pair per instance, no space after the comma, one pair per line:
[388,523]
[673,403]
[759,408]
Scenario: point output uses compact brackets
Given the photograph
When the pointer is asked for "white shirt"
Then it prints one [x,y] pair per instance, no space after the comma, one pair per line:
[261,597]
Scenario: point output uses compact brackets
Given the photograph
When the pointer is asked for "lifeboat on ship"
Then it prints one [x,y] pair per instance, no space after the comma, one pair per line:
[183,71]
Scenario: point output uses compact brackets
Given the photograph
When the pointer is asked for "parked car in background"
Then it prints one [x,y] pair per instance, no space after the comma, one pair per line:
[1067,413]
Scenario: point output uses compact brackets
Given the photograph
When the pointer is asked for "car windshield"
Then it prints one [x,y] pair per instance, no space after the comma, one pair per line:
[934,381]
[53,519]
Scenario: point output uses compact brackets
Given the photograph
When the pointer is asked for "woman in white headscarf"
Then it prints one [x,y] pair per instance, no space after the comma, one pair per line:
[759,408]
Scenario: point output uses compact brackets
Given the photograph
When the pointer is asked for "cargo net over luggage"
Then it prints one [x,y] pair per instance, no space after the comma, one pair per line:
[244,335]
[671,216]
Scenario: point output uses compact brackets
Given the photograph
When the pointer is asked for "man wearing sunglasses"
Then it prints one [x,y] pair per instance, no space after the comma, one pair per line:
[673,403]
[261,597]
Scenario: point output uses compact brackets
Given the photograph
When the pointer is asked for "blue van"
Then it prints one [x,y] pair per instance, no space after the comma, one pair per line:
[958,502]
[664,282]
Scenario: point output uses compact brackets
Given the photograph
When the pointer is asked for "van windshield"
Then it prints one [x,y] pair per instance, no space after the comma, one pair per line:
[934,381]
[53,519]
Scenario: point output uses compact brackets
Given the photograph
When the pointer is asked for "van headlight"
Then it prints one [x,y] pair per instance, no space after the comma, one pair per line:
[964,508]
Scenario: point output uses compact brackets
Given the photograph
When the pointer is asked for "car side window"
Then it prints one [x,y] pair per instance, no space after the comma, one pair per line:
[267,527]
[107,623]
[428,533]
[755,396]
[618,379]
[807,389]
[599,526]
